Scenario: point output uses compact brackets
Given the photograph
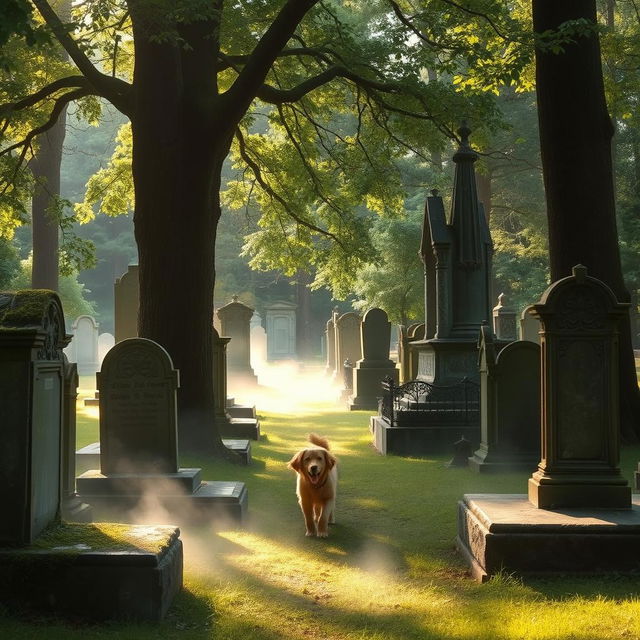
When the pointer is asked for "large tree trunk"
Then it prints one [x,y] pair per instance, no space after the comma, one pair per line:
[44,224]
[575,142]
[176,172]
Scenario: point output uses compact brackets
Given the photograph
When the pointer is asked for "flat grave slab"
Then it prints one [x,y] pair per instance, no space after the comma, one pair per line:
[99,578]
[241,410]
[241,428]
[219,503]
[506,532]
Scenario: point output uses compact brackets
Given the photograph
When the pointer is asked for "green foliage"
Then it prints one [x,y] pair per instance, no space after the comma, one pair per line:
[9,263]
[395,282]
[72,293]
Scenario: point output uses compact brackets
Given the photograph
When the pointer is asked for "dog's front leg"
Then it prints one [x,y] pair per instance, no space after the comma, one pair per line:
[325,514]
[307,511]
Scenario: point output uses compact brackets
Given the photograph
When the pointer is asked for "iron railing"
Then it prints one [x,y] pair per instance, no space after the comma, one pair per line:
[419,402]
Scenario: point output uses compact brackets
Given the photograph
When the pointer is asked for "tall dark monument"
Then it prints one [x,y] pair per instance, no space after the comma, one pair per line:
[457,265]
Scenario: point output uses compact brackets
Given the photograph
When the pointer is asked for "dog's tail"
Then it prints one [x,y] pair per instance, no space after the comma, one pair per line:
[319,440]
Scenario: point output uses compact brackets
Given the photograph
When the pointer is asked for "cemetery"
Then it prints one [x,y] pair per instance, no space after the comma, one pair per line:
[408,229]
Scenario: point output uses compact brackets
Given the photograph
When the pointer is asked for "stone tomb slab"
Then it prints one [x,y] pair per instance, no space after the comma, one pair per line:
[506,532]
[89,457]
[241,410]
[241,428]
[96,583]
[419,441]
[217,503]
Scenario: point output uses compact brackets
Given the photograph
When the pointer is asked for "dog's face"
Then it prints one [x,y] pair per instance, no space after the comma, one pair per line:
[314,464]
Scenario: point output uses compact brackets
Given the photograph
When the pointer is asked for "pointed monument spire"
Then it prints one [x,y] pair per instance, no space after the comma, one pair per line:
[465,211]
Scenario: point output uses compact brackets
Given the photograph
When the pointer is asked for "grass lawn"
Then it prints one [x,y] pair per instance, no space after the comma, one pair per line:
[388,570]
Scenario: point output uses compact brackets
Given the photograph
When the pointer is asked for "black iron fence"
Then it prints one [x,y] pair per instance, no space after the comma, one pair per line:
[418,402]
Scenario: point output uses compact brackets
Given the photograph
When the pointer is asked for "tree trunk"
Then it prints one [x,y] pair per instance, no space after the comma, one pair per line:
[575,142]
[44,224]
[177,161]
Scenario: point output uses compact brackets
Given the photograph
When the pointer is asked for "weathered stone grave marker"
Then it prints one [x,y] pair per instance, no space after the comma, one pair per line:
[235,319]
[509,405]
[375,364]
[281,330]
[139,443]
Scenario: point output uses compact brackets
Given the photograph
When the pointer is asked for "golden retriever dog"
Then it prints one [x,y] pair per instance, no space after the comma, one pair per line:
[317,485]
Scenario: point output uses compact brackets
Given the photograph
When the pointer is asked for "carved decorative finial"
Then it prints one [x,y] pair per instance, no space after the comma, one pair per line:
[435,193]
[234,298]
[580,272]
[464,133]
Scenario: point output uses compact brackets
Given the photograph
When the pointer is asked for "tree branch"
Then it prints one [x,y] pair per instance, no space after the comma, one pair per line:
[62,83]
[272,95]
[59,105]
[276,196]
[270,45]
[479,14]
[117,91]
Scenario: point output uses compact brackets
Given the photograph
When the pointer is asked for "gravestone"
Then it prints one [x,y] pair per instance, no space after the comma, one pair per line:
[579,514]
[32,337]
[330,341]
[83,349]
[580,419]
[529,326]
[126,297]
[403,354]
[509,405]
[106,341]
[139,443]
[348,345]
[37,415]
[375,364]
[415,333]
[504,320]
[235,319]
[236,427]
[281,331]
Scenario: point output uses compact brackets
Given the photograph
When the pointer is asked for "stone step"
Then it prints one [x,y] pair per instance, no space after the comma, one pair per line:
[241,411]
[241,428]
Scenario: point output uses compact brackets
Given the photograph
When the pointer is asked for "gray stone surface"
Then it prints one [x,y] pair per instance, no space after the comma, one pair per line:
[330,339]
[280,320]
[348,347]
[235,319]
[32,337]
[509,405]
[580,394]
[126,296]
[138,414]
[507,532]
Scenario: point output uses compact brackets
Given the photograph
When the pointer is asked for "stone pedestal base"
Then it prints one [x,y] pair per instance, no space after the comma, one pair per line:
[367,385]
[591,492]
[95,584]
[502,462]
[446,361]
[506,532]
[419,441]
[93,402]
